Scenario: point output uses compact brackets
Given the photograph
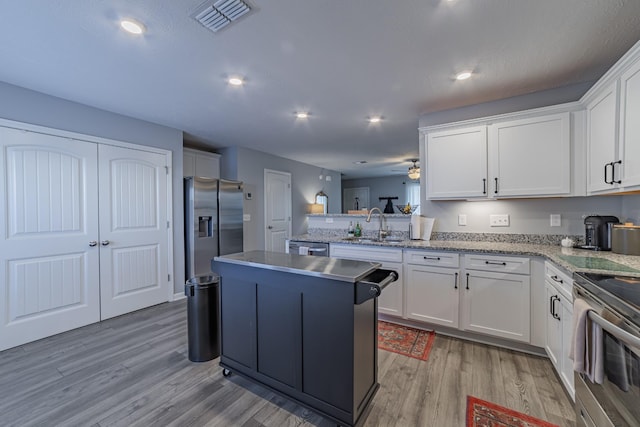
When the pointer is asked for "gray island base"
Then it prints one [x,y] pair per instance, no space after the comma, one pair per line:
[304,327]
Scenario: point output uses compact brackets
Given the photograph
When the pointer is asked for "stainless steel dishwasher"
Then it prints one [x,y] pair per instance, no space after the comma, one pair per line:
[300,247]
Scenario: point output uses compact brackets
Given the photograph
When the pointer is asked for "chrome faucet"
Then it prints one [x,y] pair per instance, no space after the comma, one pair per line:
[381,232]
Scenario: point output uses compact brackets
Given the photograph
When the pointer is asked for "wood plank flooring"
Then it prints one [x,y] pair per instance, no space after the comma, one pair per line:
[133,371]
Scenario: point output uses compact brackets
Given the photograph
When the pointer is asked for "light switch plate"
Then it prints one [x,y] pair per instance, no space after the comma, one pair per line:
[328,178]
[501,220]
[462,219]
[246,217]
[555,220]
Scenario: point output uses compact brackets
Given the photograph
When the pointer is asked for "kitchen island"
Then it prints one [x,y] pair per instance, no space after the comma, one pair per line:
[303,326]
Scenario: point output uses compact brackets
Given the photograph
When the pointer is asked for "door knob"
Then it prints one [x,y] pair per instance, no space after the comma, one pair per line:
[270,227]
[105,242]
[93,243]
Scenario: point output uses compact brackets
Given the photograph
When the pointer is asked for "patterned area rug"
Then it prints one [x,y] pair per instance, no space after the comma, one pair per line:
[404,340]
[481,413]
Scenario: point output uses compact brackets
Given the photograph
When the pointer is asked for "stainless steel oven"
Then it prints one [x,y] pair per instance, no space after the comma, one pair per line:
[615,301]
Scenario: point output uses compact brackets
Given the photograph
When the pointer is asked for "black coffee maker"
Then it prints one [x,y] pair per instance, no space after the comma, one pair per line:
[597,232]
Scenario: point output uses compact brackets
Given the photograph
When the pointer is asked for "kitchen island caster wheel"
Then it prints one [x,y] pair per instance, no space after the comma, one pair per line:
[226,372]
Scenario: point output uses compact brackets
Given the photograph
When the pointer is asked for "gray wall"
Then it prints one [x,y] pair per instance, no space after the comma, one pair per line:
[249,165]
[36,108]
[526,215]
[381,187]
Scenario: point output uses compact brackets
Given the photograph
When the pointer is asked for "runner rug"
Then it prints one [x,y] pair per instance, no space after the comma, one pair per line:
[404,340]
[481,413]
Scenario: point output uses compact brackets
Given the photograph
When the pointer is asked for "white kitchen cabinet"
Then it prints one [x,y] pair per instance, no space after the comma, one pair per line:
[200,163]
[510,158]
[432,287]
[559,322]
[629,150]
[531,157]
[493,300]
[602,137]
[390,301]
[457,163]
[613,131]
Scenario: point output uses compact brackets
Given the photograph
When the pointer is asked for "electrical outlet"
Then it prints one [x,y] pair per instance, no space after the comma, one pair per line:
[328,220]
[328,178]
[499,220]
[554,220]
[462,219]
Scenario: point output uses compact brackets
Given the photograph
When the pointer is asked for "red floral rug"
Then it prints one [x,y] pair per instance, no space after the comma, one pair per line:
[404,340]
[481,413]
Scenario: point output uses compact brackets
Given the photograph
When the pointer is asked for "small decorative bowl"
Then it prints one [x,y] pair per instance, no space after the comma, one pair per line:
[402,209]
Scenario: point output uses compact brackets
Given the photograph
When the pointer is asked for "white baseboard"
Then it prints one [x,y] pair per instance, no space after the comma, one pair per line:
[178,296]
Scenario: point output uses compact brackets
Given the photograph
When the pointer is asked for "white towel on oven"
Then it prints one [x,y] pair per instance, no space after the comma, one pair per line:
[586,346]
[303,250]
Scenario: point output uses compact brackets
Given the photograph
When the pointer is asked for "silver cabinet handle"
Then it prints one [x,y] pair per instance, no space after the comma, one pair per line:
[432,258]
[105,242]
[93,243]
[495,263]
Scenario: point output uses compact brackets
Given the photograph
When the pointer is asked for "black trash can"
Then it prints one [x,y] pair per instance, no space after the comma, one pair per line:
[202,317]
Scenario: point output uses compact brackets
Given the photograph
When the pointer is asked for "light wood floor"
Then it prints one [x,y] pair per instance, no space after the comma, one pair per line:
[133,371]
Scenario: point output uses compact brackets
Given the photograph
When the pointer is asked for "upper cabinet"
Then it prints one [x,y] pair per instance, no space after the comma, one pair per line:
[200,163]
[523,157]
[531,157]
[457,163]
[613,130]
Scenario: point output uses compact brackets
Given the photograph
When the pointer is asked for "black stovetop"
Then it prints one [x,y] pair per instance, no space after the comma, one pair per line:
[620,292]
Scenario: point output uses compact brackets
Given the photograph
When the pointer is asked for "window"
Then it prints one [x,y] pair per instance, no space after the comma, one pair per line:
[413,194]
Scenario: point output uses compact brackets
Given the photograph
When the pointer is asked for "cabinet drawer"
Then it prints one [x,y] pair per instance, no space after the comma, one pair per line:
[498,263]
[365,253]
[440,259]
[559,278]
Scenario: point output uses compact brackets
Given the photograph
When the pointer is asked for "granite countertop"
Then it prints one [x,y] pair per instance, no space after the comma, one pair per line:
[570,259]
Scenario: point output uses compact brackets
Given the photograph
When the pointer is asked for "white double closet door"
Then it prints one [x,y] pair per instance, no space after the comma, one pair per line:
[84,233]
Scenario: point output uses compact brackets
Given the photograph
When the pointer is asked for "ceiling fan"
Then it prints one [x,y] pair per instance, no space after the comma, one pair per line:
[414,170]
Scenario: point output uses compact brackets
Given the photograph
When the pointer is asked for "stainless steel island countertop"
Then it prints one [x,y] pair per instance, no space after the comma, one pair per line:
[332,268]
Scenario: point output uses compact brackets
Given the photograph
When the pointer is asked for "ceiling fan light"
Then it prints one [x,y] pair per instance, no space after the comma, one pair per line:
[414,171]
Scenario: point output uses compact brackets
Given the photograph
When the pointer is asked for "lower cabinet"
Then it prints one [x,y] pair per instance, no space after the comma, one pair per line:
[432,291]
[559,322]
[496,304]
[489,295]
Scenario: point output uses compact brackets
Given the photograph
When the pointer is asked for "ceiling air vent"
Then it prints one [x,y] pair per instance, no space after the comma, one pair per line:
[223,12]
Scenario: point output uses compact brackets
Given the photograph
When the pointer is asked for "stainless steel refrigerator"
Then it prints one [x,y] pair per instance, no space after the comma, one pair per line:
[213,222]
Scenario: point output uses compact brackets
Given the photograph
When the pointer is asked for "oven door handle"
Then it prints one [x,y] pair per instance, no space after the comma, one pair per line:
[621,334]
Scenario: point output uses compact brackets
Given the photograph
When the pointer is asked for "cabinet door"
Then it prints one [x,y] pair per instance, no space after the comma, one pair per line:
[602,134]
[630,128]
[496,304]
[457,164]
[390,301]
[530,157]
[553,342]
[207,165]
[188,163]
[432,295]
[566,318]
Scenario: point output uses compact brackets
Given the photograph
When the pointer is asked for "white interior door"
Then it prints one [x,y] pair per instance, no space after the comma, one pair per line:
[277,209]
[49,218]
[133,230]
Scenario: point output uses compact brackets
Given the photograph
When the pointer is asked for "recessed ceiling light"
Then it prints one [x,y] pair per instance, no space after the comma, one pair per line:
[375,119]
[464,75]
[131,26]
[360,162]
[235,81]
[302,114]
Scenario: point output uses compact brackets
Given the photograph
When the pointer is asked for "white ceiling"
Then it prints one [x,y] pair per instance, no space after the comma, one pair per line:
[342,60]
